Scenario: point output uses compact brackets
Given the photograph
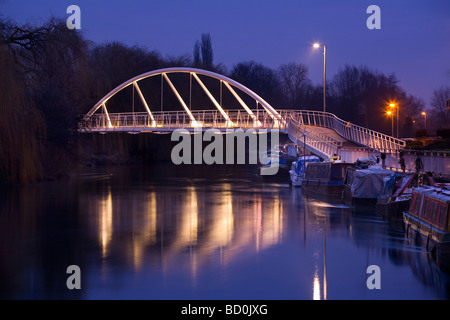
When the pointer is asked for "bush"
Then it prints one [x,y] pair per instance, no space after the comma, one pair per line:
[421,133]
[444,133]
[414,145]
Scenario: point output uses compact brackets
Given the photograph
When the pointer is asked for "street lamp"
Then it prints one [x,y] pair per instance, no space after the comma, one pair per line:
[394,105]
[425,119]
[389,113]
[316,46]
[304,146]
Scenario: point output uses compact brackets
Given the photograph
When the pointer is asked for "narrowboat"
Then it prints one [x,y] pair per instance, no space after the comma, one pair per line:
[427,220]
[321,178]
[396,191]
[363,186]
[298,168]
[325,178]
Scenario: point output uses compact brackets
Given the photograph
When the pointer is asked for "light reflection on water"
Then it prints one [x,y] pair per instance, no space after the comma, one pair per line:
[201,233]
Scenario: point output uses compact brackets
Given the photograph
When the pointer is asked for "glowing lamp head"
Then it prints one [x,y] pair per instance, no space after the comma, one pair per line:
[389,113]
[424,113]
[316,45]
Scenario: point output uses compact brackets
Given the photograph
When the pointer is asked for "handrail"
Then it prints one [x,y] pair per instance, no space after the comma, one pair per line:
[298,124]
[321,143]
[349,131]
[170,120]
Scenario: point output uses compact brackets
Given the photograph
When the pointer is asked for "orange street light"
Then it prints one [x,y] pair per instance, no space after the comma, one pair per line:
[395,105]
[389,113]
[425,119]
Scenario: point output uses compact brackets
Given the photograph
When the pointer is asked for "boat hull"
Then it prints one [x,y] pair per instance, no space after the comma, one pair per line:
[350,199]
[296,180]
[427,221]
[432,239]
[322,178]
[327,188]
[392,210]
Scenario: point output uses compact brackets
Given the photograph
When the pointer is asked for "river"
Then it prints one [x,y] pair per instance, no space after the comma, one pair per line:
[201,232]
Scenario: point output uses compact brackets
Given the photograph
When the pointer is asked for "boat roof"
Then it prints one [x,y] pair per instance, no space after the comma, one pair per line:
[434,191]
[309,158]
[373,171]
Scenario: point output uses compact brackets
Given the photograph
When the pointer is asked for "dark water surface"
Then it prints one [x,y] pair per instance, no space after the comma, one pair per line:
[201,233]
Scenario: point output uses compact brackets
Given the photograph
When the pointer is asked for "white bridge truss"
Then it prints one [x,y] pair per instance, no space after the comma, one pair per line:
[322,133]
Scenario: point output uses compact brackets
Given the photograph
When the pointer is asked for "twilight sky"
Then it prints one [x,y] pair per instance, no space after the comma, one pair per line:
[413,42]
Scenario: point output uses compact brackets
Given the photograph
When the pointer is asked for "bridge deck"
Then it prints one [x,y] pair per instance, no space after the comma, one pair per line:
[333,134]
[324,134]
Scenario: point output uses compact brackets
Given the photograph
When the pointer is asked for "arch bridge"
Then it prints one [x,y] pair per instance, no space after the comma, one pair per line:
[321,133]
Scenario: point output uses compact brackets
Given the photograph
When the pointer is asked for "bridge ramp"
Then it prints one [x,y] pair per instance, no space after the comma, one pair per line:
[332,134]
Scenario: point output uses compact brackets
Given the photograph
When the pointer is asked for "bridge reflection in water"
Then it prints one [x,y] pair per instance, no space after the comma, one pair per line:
[167,225]
[233,237]
[203,233]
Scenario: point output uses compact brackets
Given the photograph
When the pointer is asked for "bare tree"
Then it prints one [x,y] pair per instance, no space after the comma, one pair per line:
[361,95]
[438,105]
[294,83]
[260,79]
[411,111]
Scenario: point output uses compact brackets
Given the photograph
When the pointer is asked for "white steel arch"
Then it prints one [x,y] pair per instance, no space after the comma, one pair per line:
[229,83]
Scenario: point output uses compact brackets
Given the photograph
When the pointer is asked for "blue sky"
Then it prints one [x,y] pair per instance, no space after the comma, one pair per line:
[413,42]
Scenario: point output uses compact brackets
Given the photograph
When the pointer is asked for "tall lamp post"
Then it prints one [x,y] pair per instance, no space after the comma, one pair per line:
[318,45]
[395,105]
[389,113]
[425,119]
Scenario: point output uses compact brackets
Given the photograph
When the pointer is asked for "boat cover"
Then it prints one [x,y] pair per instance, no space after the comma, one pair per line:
[367,182]
[300,164]
[394,185]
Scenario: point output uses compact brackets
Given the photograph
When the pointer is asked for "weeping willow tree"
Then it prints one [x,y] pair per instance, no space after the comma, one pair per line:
[21,126]
[42,85]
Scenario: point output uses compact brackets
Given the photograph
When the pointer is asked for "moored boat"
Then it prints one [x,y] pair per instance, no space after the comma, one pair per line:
[396,191]
[298,168]
[427,220]
[363,185]
[325,178]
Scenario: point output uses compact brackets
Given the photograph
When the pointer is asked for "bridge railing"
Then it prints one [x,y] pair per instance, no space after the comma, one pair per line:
[435,161]
[170,120]
[349,131]
[313,140]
